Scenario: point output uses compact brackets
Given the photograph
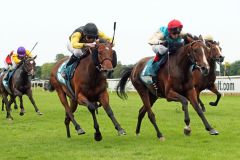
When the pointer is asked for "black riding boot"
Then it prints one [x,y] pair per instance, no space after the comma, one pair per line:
[72,59]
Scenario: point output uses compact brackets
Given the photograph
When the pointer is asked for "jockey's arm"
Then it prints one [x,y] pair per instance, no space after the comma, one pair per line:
[29,54]
[104,36]
[75,38]
[15,58]
[156,38]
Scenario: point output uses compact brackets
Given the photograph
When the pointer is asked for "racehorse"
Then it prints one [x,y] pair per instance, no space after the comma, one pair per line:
[19,85]
[207,82]
[89,86]
[175,83]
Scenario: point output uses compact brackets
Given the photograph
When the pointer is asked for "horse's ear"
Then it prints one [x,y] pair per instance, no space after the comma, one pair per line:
[189,39]
[218,43]
[200,37]
[35,57]
[97,41]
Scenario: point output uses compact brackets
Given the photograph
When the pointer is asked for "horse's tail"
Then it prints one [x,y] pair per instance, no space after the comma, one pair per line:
[49,87]
[122,83]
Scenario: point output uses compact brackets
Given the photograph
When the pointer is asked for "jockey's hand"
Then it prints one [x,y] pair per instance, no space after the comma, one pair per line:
[10,67]
[91,45]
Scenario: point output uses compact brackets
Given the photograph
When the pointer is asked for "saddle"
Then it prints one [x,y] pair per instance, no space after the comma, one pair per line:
[7,79]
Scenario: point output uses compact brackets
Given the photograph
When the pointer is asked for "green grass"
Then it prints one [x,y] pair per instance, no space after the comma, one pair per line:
[44,137]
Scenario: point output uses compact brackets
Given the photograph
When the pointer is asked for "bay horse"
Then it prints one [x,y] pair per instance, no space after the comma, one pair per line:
[207,82]
[20,84]
[89,86]
[175,83]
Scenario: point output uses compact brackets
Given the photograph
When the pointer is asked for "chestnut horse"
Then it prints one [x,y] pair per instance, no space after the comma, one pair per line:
[19,85]
[175,83]
[90,87]
[207,82]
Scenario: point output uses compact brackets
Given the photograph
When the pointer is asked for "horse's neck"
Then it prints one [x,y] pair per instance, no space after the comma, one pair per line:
[182,60]
[23,75]
[93,73]
[212,65]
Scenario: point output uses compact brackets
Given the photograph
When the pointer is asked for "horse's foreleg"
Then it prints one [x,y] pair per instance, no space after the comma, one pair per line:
[2,105]
[69,114]
[104,100]
[192,96]
[15,104]
[97,134]
[174,96]
[213,88]
[22,111]
[201,104]
[29,94]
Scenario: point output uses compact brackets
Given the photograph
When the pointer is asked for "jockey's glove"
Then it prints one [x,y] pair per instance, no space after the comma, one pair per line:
[91,45]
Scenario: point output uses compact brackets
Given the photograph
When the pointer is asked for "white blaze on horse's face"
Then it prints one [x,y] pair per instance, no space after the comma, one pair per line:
[218,48]
[106,48]
[204,58]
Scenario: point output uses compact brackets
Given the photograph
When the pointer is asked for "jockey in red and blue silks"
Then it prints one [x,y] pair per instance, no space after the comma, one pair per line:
[167,39]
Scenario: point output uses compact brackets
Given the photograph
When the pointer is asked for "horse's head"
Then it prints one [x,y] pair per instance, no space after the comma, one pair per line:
[215,50]
[105,56]
[29,65]
[197,52]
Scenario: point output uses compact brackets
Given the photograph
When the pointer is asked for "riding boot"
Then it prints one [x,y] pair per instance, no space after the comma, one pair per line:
[6,76]
[72,59]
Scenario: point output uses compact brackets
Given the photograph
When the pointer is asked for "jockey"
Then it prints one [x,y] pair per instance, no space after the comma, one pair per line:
[167,39]
[13,59]
[84,37]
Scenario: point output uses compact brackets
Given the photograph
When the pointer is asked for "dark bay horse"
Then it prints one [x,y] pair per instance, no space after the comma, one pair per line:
[207,82]
[19,85]
[90,87]
[175,83]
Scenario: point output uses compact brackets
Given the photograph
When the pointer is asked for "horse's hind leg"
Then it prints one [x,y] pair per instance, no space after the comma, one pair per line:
[29,94]
[141,114]
[63,99]
[8,106]
[144,94]
[214,90]
[97,134]
[22,111]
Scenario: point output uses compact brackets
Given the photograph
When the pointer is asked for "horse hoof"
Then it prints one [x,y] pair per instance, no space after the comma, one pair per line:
[187,131]
[80,131]
[121,132]
[212,104]
[10,118]
[39,113]
[15,107]
[98,136]
[21,113]
[162,139]
[213,132]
